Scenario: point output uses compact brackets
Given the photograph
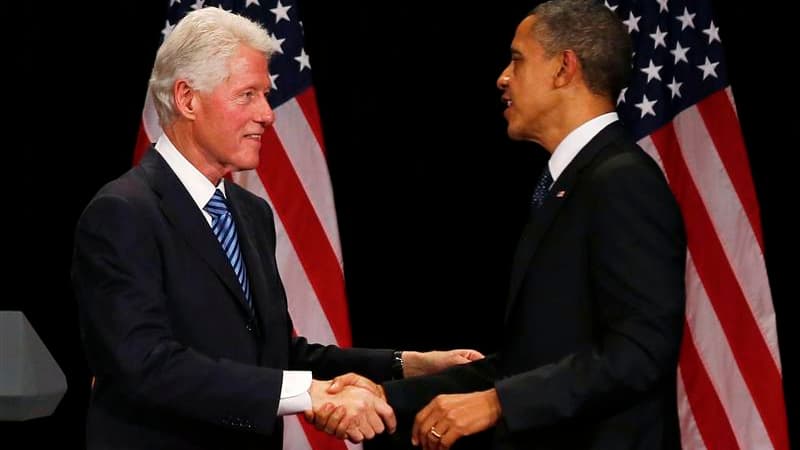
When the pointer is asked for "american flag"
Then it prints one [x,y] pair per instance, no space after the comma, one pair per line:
[293,177]
[680,108]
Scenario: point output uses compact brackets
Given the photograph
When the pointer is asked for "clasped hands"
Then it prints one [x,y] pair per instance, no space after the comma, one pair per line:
[353,407]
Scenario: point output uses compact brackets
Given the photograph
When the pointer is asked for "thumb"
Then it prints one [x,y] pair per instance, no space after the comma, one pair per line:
[348,379]
[471,355]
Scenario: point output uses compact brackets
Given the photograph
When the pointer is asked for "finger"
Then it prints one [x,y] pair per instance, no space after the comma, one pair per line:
[448,439]
[322,415]
[425,434]
[335,418]
[444,431]
[474,355]
[418,420]
[347,424]
[386,414]
[367,429]
[344,426]
[427,441]
[355,435]
[375,422]
[360,424]
[352,379]
[341,433]
[309,415]
[433,441]
[341,382]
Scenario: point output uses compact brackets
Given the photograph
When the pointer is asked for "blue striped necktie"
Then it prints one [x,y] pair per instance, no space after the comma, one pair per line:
[225,230]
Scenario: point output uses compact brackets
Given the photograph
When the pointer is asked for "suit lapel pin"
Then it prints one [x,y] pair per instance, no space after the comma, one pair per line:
[561,194]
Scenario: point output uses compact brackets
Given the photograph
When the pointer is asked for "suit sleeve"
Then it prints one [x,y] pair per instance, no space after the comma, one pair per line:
[636,278]
[117,277]
[409,395]
[328,361]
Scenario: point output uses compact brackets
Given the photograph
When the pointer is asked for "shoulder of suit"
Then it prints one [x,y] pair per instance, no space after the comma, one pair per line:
[246,198]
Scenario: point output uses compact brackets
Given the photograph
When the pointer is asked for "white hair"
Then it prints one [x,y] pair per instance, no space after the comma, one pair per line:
[198,50]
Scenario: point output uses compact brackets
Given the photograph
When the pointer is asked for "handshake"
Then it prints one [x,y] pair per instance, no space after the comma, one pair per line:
[355,408]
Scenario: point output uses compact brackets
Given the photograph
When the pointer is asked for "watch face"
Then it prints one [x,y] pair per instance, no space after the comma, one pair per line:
[397,366]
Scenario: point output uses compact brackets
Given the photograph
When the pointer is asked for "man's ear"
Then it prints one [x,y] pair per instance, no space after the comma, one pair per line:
[185,99]
[568,68]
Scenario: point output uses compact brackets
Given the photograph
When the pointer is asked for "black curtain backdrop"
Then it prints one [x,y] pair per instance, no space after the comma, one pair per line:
[430,192]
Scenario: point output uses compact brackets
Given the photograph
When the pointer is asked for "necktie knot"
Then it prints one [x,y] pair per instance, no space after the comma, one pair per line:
[542,187]
[216,206]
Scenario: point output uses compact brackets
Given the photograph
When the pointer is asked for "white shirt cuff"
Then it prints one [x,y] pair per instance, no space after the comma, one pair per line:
[294,392]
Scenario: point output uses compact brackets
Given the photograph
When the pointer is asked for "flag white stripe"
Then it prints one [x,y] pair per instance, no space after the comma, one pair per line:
[150,119]
[649,147]
[309,162]
[307,314]
[294,437]
[690,434]
[720,365]
[729,220]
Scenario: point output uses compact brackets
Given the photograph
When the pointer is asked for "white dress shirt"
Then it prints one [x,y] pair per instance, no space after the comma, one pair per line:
[568,148]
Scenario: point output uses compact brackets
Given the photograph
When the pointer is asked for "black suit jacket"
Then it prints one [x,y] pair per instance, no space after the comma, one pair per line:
[178,360]
[594,315]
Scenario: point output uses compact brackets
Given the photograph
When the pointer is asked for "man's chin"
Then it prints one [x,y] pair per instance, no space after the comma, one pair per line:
[514,134]
[249,158]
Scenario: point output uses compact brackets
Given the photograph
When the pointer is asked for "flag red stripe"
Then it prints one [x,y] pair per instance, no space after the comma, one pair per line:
[747,343]
[320,440]
[305,232]
[712,422]
[723,127]
[308,103]
[142,144]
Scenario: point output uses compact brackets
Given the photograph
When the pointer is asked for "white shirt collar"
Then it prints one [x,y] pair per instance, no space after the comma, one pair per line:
[568,148]
[195,182]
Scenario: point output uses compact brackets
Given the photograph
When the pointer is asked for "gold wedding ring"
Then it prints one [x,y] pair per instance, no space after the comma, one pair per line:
[435,433]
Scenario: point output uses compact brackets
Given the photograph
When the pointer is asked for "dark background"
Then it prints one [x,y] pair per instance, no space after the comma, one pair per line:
[430,193]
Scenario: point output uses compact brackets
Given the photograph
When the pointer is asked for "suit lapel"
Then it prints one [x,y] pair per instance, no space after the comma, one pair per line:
[182,212]
[540,220]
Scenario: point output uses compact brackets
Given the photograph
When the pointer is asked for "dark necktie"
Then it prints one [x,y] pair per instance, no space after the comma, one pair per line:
[225,230]
[542,187]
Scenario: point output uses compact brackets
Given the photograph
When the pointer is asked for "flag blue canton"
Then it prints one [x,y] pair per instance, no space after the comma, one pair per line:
[289,67]
[678,60]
